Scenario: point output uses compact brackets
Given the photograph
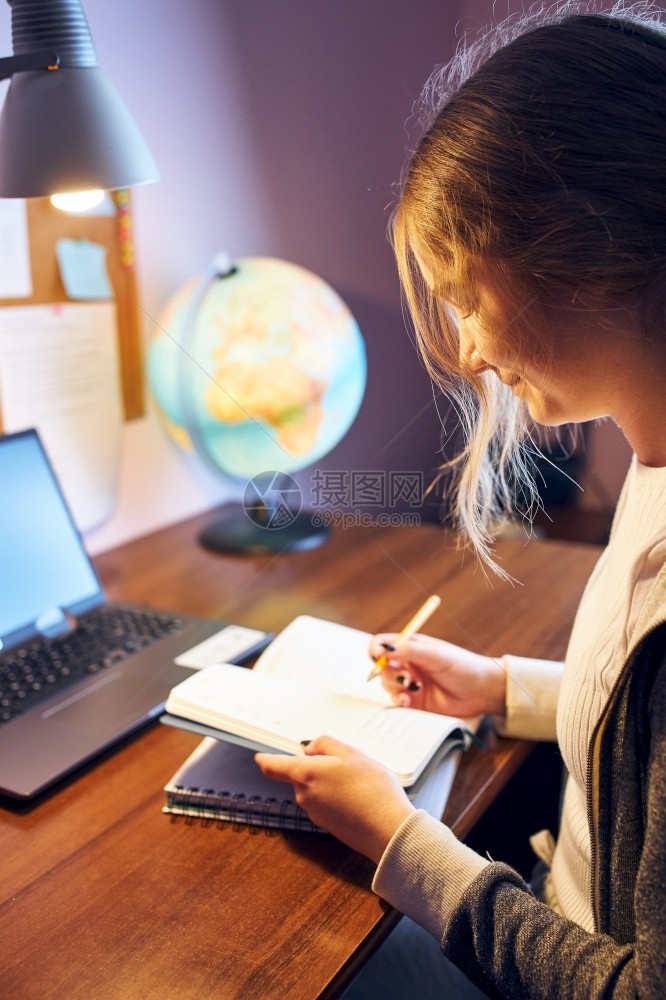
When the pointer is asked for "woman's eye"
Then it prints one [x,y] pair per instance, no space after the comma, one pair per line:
[460,309]
[463,311]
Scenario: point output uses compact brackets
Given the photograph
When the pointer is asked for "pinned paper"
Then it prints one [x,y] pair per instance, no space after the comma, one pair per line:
[83,269]
[15,276]
[60,373]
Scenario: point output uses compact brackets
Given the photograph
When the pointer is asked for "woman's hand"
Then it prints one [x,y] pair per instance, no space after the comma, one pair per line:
[437,676]
[343,791]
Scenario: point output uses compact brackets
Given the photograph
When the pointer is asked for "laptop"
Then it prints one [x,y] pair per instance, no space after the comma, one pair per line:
[78,672]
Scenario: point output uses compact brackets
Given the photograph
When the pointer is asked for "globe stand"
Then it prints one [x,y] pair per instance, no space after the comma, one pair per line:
[259,533]
[269,520]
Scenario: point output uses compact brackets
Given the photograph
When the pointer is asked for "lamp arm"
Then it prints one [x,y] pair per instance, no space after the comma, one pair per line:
[43,59]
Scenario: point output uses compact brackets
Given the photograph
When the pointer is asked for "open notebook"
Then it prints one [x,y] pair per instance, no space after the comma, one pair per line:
[311,680]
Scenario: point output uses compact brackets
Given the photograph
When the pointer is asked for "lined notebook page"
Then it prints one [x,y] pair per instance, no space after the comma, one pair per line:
[323,654]
[281,712]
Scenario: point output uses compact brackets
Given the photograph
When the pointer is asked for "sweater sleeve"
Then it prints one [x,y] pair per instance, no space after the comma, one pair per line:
[424,871]
[491,926]
[510,944]
[532,690]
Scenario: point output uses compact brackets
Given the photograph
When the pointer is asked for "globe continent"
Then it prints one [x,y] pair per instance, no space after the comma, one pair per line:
[267,372]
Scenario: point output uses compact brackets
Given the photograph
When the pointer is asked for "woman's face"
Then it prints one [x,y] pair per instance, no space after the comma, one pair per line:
[553,360]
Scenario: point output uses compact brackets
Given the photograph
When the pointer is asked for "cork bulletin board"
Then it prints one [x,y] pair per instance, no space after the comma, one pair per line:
[46,225]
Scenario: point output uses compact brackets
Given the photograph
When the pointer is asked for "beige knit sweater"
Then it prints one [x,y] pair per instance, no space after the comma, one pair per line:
[603,633]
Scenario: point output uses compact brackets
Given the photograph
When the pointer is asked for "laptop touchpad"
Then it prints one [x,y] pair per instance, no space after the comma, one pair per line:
[105,706]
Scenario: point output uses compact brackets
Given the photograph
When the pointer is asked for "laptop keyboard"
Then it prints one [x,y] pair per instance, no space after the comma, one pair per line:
[102,638]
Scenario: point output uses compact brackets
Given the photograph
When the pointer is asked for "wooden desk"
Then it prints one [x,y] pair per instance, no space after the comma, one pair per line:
[104,898]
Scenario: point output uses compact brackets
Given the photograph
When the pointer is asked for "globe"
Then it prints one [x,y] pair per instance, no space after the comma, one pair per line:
[258,368]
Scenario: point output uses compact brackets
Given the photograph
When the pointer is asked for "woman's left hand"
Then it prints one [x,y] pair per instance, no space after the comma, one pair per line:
[343,791]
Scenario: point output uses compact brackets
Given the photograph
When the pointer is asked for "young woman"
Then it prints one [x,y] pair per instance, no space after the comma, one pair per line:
[531,243]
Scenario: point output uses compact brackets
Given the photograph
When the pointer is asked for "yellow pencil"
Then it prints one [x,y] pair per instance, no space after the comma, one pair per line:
[412,626]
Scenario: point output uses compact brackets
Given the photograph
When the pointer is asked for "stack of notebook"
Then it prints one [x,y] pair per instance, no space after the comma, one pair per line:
[311,679]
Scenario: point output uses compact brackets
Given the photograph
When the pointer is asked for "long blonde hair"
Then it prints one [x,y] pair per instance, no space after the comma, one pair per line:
[543,165]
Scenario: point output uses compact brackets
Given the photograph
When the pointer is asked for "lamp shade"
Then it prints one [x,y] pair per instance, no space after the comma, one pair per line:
[65,129]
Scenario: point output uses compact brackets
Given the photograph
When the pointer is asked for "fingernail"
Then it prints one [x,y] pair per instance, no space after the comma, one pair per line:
[402,700]
[401,678]
[306,743]
[388,646]
[374,658]
[414,686]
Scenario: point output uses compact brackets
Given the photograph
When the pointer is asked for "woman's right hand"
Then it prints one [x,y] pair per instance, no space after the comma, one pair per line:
[437,676]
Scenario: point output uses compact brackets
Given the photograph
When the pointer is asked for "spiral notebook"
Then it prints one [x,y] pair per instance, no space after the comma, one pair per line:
[220,782]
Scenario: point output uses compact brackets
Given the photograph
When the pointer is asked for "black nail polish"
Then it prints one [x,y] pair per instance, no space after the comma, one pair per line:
[401,678]
[306,743]
[388,646]
[414,686]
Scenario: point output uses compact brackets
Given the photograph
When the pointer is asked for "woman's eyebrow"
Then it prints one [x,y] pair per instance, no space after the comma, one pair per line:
[445,290]
[455,296]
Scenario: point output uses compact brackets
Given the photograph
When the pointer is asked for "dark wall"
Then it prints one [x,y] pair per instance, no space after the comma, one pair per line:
[329,90]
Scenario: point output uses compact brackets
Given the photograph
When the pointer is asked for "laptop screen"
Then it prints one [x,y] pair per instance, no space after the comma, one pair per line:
[44,568]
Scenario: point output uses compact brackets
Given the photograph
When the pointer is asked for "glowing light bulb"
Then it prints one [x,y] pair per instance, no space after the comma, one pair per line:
[77,201]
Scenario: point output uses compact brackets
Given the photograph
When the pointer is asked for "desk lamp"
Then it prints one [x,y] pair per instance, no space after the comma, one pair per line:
[63,127]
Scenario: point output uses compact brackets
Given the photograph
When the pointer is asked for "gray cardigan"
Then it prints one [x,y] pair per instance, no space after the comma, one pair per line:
[511,945]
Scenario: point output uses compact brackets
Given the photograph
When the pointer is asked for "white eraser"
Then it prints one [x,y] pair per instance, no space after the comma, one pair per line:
[225,645]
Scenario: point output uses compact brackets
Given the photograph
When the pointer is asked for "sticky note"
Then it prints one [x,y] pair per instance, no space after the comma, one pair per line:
[83,269]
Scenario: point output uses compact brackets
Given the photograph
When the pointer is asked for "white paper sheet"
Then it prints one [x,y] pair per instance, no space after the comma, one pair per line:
[15,274]
[59,372]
